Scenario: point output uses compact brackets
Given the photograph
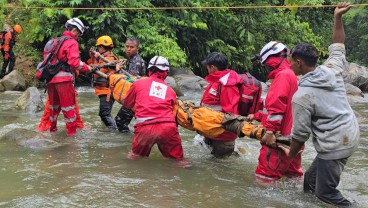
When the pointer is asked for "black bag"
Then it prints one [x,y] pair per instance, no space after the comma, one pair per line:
[2,37]
[50,65]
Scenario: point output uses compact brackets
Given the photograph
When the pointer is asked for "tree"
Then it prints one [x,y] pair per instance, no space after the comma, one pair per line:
[187,36]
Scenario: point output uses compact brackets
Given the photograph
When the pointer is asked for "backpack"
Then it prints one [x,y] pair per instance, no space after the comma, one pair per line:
[2,37]
[250,91]
[50,65]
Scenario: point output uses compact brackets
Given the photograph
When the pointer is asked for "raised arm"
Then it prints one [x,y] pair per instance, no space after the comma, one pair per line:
[338,35]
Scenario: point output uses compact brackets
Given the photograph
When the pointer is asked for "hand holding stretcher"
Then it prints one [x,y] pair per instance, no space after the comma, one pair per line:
[211,123]
[205,121]
[109,63]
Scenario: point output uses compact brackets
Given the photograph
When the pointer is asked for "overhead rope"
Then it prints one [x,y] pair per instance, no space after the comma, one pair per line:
[180,8]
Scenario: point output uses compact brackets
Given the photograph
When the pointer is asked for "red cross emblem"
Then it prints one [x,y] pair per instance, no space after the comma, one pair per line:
[158,87]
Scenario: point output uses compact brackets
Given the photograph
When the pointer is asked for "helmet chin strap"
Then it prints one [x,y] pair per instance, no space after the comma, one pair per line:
[104,51]
[270,68]
[282,60]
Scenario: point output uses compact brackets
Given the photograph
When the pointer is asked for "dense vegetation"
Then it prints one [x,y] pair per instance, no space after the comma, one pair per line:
[187,36]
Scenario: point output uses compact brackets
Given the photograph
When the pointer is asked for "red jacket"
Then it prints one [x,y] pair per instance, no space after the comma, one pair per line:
[69,52]
[153,100]
[277,113]
[222,94]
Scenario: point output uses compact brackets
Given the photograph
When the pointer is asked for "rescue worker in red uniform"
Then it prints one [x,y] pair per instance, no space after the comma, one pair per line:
[153,101]
[8,42]
[222,94]
[104,46]
[60,89]
[45,122]
[276,117]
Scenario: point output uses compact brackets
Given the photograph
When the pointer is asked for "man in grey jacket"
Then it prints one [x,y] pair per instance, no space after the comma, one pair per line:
[320,108]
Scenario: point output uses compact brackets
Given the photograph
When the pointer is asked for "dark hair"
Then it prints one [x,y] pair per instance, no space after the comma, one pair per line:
[154,69]
[133,39]
[306,52]
[217,59]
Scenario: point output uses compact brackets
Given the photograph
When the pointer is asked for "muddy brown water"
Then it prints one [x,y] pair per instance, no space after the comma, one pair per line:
[92,169]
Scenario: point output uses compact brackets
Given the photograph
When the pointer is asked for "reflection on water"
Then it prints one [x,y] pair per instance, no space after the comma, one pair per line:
[92,170]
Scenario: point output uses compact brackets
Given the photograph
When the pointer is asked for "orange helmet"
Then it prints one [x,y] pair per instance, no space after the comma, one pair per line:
[17,28]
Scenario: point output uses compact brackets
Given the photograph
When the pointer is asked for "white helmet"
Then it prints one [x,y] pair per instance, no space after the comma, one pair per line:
[77,23]
[159,62]
[271,48]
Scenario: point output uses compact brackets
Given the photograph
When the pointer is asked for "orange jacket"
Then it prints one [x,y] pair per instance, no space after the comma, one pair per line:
[7,40]
[103,89]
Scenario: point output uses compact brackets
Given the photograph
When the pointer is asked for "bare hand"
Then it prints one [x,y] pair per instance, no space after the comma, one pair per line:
[92,53]
[120,64]
[342,8]
[6,56]
[97,55]
[286,149]
[250,117]
[269,138]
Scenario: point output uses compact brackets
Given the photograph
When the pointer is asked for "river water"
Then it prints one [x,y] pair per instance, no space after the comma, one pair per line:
[92,169]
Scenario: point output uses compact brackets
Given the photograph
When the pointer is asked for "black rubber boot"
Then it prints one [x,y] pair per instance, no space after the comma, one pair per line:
[3,70]
[109,122]
[123,119]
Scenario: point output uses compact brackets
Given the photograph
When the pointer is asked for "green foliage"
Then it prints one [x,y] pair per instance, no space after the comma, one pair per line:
[155,43]
[357,36]
[356,28]
[186,37]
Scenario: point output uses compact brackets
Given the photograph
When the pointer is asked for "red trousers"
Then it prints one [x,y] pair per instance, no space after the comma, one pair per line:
[62,97]
[273,164]
[45,122]
[165,135]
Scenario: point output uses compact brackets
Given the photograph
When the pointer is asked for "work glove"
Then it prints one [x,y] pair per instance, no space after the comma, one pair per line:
[269,138]
[94,69]
[6,56]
